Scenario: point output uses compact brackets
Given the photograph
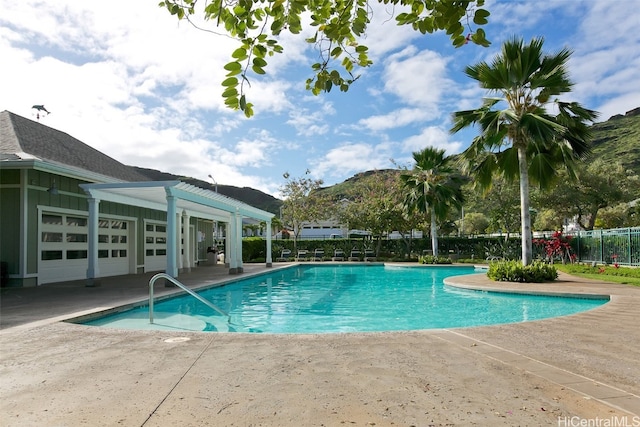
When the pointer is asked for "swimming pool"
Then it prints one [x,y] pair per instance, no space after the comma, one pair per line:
[346,298]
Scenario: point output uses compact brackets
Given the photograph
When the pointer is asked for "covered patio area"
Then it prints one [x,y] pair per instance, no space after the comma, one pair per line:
[181,202]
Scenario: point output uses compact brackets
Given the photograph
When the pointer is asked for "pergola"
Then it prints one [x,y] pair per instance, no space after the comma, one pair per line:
[180,201]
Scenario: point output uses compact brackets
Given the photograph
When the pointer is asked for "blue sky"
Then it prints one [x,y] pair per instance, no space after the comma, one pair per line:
[129,80]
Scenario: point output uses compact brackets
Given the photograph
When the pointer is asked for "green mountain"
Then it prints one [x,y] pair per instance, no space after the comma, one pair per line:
[618,139]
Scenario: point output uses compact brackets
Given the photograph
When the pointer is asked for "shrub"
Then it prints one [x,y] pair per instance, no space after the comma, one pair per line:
[514,271]
[558,247]
[430,259]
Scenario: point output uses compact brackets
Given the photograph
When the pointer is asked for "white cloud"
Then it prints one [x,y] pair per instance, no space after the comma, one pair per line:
[255,153]
[607,58]
[310,122]
[417,77]
[396,118]
[384,35]
[348,159]
[431,137]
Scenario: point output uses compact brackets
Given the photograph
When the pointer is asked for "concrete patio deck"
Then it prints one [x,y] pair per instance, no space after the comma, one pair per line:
[549,372]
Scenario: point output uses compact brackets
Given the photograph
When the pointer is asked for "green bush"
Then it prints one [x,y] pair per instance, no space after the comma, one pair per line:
[430,259]
[514,271]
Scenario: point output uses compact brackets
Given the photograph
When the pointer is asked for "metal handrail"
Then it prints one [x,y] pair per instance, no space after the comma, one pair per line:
[189,291]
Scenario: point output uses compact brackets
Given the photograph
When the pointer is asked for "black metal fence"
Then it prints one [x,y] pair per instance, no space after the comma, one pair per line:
[621,246]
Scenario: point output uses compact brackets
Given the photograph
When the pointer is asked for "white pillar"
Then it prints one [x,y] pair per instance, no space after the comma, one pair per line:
[186,236]
[93,270]
[240,268]
[179,240]
[172,245]
[269,260]
[232,254]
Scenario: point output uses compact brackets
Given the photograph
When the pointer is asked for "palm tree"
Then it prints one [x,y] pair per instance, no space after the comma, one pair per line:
[519,137]
[434,186]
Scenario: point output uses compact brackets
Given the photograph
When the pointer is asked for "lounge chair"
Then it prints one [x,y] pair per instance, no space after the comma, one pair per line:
[303,255]
[284,255]
[318,255]
[355,255]
[338,255]
[369,255]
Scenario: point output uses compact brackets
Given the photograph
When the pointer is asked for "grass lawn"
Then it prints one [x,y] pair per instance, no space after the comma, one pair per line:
[624,275]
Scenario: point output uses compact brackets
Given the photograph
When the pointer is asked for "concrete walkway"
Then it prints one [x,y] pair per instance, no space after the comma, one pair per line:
[583,366]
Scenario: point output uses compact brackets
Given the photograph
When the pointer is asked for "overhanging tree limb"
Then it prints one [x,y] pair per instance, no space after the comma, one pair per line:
[340,25]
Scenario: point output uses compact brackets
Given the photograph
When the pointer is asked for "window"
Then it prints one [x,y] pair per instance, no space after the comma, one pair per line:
[51,255]
[161,228]
[52,219]
[103,238]
[76,238]
[161,252]
[119,225]
[76,254]
[51,237]
[118,239]
[103,253]
[73,221]
[149,227]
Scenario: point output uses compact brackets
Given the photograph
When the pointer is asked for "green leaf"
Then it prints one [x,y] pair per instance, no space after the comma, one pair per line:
[260,51]
[240,53]
[243,102]
[258,70]
[248,110]
[480,17]
[336,51]
[231,81]
[233,66]
[259,62]
[232,102]
[232,91]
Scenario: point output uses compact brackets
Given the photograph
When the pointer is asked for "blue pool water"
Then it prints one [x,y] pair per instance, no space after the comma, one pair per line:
[346,298]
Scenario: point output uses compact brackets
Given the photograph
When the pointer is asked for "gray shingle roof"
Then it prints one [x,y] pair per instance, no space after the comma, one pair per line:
[22,138]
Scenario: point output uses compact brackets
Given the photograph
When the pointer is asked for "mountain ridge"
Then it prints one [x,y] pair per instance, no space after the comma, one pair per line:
[617,139]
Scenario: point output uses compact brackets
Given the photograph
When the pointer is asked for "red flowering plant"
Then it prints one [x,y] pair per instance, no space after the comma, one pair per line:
[615,260]
[558,246]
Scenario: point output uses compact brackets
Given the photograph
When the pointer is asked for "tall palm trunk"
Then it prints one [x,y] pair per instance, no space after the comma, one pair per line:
[434,231]
[527,244]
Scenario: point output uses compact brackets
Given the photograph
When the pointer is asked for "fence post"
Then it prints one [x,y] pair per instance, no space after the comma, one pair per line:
[601,247]
[629,245]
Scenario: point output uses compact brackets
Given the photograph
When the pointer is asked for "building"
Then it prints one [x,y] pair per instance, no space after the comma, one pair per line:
[70,212]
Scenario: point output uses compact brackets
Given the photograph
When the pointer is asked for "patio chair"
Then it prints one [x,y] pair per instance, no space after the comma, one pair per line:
[338,255]
[369,255]
[318,255]
[355,255]
[303,255]
[284,255]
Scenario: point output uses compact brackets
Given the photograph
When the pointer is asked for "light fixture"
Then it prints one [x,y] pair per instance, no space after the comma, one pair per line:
[214,182]
[53,190]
